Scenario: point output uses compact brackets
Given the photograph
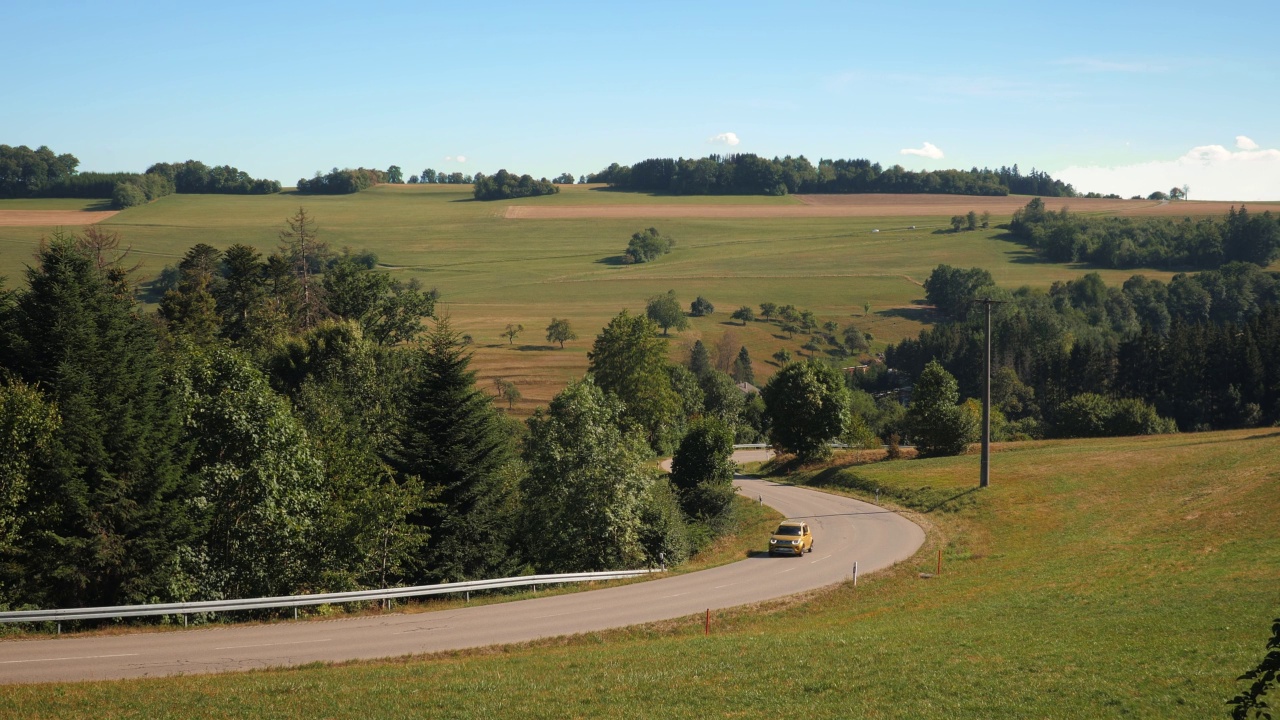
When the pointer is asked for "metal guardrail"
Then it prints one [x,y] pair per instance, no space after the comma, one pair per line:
[296,601]
[838,445]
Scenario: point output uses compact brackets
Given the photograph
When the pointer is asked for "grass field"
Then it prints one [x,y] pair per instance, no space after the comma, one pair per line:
[492,271]
[1131,577]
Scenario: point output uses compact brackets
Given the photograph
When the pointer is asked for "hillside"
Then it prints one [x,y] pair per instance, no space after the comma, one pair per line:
[493,269]
[1129,576]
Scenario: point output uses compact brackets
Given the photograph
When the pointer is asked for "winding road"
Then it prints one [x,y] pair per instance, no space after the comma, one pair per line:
[844,531]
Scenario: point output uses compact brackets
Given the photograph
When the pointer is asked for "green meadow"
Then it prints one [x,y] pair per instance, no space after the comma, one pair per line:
[492,271]
[1125,577]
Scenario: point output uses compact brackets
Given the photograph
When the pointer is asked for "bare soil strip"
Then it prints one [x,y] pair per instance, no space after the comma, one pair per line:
[52,218]
[879,205]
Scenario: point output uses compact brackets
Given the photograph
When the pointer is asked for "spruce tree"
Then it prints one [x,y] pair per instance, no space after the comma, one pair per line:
[107,506]
[699,359]
[457,443]
[742,370]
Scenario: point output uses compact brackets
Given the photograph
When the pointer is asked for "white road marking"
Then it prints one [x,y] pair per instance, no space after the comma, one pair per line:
[539,617]
[723,586]
[786,571]
[824,557]
[664,597]
[299,642]
[58,659]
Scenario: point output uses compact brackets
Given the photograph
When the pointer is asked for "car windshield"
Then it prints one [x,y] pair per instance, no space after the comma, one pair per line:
[788,530]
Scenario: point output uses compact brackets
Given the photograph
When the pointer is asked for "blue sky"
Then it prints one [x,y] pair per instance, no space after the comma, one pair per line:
[1117,97]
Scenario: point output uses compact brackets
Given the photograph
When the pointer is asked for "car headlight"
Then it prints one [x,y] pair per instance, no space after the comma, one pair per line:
[773,541]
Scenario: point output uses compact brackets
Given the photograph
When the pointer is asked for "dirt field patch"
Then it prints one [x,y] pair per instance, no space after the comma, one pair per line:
[877,205]
[52,218]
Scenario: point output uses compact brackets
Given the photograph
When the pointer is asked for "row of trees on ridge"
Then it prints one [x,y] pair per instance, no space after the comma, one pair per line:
[747,174]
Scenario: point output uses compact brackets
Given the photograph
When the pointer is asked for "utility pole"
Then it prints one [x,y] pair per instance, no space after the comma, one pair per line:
[985,477]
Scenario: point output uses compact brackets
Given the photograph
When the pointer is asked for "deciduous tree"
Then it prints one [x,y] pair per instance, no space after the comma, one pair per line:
[806,405]
[665,311]
[936,423]
[560,331]
[628,360]
[702,468]
[588,478]
[513,329]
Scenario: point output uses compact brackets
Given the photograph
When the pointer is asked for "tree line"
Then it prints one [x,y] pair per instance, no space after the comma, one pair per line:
[40,173]
[1115,242]
[503,185]
[433,176]
[748,174]
[341,182]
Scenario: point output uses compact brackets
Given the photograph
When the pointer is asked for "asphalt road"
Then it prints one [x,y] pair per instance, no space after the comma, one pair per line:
[844,531]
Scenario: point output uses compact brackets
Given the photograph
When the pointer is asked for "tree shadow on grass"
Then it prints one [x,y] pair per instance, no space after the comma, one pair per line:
[614,260]
[916,314]
[151,291]
[533,348]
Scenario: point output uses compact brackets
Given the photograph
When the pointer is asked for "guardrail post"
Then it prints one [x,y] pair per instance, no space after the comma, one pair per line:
[184,619]
[855,573]
[59,628]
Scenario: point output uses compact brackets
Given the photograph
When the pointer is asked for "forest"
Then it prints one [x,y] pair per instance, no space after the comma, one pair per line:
[1202,350]
[1115,242]
[747,174]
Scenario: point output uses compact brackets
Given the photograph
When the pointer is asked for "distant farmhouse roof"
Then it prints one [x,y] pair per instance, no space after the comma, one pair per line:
[747,388]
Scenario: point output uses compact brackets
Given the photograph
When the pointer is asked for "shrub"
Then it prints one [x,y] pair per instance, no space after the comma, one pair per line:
[126,195]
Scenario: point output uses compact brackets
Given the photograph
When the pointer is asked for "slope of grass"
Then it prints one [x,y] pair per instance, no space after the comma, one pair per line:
[1105,578]
[492,271]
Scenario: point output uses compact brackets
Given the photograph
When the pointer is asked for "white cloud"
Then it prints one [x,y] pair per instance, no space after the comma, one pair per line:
[1212,171]
[458,158]
[727,138]
[1243,142]
[929,151]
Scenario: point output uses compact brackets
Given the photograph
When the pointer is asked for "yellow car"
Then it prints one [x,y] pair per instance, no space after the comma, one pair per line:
[792,537]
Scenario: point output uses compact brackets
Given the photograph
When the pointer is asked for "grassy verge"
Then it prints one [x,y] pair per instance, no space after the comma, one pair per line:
[1123,577]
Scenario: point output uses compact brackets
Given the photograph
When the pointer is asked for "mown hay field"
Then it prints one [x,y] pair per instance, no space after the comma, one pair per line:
[493,269]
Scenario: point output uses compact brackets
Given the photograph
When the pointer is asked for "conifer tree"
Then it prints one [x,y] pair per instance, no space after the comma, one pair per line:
[456,442]
[699,359]
[742,370]
[108,503]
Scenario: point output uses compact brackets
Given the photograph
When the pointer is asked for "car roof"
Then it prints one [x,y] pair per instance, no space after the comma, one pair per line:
[791,522]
